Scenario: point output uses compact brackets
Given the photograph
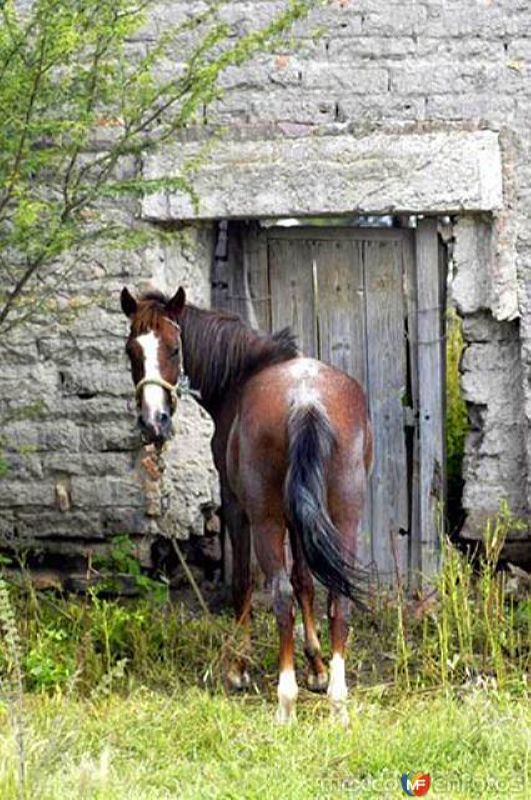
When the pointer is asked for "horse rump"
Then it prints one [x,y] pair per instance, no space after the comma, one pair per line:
[311,441]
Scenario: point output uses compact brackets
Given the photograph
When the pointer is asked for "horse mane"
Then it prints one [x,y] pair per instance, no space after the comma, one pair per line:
[151,311]
[220,350]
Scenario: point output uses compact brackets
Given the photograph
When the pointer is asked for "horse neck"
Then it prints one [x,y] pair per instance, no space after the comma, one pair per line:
[221,352]
[217,353]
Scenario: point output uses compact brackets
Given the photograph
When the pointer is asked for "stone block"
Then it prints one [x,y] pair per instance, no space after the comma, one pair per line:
[473,105]
[119,436]
[483,328]
[19,493]
[472,257]
[124,519]
[83,525]
[27,466]
[380,172]
[84,378]
[90,464]
[364,48]
[7,527]
[339,78]
[275,105]
[491,357]
[433,78]
[374,109]
[90,492]
[487,497]
[40,435]
[391,21]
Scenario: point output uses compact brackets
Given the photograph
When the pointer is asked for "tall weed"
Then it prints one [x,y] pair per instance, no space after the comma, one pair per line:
[474,629]
[469,628]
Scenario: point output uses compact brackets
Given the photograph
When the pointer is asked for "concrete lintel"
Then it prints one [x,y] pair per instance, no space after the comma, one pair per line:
[441,172]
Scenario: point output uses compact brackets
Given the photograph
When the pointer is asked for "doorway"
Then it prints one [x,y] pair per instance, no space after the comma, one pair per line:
[369,300]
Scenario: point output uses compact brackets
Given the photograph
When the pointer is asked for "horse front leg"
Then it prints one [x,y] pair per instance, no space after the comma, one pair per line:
[239,531]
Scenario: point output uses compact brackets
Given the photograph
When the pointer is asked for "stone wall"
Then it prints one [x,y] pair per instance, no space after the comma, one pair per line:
[73,480]
[365,79]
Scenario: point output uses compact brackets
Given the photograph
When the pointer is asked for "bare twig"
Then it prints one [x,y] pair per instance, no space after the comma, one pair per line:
[191,579]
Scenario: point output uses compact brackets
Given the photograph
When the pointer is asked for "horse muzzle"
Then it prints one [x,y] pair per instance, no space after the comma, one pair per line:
[157,429]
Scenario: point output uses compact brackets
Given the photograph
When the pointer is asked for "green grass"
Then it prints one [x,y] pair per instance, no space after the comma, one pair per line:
[191,744]
[105,699]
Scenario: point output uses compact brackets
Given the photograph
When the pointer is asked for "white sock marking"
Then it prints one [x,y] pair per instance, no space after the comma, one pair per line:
[337,687]
[287,695]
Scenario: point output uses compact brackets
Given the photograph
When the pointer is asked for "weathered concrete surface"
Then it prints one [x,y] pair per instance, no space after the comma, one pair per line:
[495,466]
[495,460]
[443,172]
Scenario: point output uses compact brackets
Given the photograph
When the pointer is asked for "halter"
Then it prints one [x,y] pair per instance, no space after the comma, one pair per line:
[180,389]
[172,390]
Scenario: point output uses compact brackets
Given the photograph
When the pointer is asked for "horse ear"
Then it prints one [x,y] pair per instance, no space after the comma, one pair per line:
[176,304]
[128,302]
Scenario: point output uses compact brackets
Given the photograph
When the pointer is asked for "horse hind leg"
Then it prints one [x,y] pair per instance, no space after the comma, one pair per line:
[283,608]
[268,538]
[302,582]
[339,608]
[339,611]
[240,536]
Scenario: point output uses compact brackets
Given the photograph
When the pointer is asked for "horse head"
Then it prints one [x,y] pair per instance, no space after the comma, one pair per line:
[154,349]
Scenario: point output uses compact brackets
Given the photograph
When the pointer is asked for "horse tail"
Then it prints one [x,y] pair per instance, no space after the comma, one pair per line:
[311,441]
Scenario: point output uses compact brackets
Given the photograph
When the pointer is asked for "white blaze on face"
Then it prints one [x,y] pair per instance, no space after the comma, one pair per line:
[153,397]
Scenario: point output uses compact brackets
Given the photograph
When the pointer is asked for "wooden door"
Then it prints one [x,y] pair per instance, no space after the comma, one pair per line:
[369,302]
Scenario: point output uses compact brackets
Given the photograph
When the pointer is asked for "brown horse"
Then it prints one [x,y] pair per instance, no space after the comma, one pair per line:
[293,448]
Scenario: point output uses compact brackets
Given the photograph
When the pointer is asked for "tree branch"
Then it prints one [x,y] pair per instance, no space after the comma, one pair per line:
[24,133]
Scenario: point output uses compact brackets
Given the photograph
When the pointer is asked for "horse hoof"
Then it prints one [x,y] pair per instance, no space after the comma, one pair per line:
[238,681]
[339,714]
[317,682]
[285,716]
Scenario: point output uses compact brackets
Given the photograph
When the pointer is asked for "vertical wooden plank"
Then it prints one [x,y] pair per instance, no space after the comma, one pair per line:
[443,283]
[386,383]
[229,290]
[343,341]
[431,386]
[412,429]
[341,305]
[239,277]
[257,278]
[220,279]
[291,281]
